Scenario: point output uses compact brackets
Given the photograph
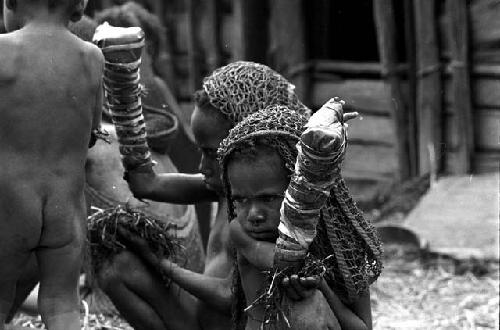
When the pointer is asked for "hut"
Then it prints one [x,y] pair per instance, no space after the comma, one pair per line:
[425,75]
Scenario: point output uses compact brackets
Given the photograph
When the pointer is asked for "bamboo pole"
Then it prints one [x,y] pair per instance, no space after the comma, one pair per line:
[214,56]
[386,37]
[251,17]
[287,44]
[429,86]
[459,43]
[411,59]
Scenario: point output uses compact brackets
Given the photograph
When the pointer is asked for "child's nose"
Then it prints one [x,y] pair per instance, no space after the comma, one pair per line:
[256,215]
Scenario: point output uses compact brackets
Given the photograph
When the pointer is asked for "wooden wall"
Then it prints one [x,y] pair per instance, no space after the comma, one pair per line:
[371,163]
[485,87]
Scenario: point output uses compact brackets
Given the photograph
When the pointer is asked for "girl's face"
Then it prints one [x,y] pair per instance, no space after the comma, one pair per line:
[257,190]
[209,129]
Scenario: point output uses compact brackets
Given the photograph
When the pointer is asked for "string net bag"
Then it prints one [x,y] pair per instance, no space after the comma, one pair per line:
[345,248]
[242,88]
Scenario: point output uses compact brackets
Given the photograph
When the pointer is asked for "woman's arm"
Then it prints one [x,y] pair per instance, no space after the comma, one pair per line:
[215,292]
[355,316]
[177,188]
[258,253]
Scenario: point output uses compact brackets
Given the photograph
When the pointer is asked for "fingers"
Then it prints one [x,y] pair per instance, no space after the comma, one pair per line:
[350,115]
[299,288]
[137,245]
[289,289]
[310,282]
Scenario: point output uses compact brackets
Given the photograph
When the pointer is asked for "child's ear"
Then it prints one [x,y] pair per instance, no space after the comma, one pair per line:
[11,4]
[78,11]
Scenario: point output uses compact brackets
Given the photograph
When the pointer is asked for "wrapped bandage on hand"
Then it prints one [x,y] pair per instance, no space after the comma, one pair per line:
[122,49]
[321,150]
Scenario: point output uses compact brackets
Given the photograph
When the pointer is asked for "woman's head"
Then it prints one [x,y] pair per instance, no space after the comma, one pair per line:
[242,88]
[230,94]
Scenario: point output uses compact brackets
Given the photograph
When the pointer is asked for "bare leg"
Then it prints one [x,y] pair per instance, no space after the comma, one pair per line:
[60,257]
[58,298]
[130,284]
[9,272]
[25,284]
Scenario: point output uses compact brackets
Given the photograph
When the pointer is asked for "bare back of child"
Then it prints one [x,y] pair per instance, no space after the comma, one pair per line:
[50,100]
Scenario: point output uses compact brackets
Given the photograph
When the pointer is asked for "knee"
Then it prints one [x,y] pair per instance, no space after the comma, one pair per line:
[120,269]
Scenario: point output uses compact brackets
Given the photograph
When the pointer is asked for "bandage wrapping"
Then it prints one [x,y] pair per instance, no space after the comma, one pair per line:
[122,48]
[320,152]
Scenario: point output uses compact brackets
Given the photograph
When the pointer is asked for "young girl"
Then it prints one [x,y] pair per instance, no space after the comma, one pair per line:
[258,158]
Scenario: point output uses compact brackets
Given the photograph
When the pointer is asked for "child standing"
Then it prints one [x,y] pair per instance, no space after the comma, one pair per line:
[258,158]
[50,100]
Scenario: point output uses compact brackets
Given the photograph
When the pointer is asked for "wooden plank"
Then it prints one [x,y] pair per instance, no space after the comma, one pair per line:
[486,162]
[360,94]
[372,129]
[487,130]
[428,106]
[485,92]
[486,127]
[484,23]
[461,89]
[385,24]
[363,68]
[370,162]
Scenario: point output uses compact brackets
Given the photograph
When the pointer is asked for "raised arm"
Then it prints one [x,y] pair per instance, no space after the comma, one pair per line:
[177,188]
[258,253]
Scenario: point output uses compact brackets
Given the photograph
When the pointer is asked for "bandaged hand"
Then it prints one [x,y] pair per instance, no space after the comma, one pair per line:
[325,130]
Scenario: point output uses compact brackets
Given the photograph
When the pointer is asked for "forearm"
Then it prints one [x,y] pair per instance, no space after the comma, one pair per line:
[213,291]
[258,253]
[345,315]
[177,188]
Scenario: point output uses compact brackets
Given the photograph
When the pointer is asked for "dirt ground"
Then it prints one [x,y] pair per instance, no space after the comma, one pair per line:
[408,295]
[411,293]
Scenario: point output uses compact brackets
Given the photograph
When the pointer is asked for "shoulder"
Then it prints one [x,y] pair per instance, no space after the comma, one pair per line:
[10,54]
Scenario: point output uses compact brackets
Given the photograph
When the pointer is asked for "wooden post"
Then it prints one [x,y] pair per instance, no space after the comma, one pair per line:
[193,46]
[251,17]
[214,56]
[411,59]
[429,87]
[459,63]
[386,37]
[287,44]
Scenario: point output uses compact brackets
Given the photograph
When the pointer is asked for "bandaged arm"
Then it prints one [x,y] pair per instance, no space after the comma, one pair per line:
[320,152]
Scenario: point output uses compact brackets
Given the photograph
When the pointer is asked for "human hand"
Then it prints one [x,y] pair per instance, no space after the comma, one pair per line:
[299,288]
[139,246]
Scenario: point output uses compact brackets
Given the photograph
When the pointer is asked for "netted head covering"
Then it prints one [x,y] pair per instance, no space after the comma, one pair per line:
[343,235]
[242,88]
